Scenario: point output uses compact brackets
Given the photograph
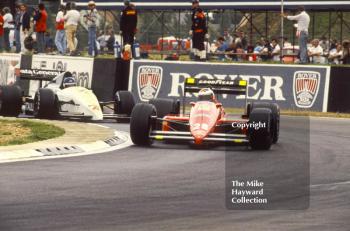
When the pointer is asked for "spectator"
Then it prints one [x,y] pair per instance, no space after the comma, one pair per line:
[333,44]
[228,38]
[17,23]
[276,51]
[303,20]
[102,40]
[286,43]
[265,53]
[111,41]
[241,39]
[346,52]
[91,21]
[60,38]
[325,44]
[1,31]
[241,56]
[49,42]
[232,48]
[335,55]
[71,19]
[222,46]
[315,52]
[128,23]
[258,47]
[251,56]
[24,25]
[40,18]
[8,25]
[199,31]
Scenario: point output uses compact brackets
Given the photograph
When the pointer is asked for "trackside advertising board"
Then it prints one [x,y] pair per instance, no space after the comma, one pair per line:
[81,68]
[290,86]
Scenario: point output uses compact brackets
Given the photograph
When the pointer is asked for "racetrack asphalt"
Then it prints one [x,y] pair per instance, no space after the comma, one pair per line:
[172,187]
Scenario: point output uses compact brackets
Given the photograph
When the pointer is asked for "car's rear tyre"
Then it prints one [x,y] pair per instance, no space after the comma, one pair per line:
[141,123]
[275,117]
[124,102]
[166,106]
[46,104]
[260,138]
[10,100]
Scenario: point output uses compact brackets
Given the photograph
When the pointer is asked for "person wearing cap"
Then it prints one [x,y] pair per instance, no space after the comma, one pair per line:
[303,20]
[199,31]
[71,19]
[128,23]
[91,20]
[60,38]
[40,18]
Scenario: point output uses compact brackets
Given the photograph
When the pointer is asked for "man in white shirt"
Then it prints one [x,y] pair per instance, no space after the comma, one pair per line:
[335,55]
[8,25]
[71,19]
[60,38]
[315,52]
[303,20]
[276,51]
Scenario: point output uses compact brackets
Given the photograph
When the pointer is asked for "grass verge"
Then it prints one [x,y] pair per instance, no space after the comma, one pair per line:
[14,132]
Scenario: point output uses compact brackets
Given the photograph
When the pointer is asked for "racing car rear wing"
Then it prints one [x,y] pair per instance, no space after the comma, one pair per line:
[234,87]
[39,74]
[218,86]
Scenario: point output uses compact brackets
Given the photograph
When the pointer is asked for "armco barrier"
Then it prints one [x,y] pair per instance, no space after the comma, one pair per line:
[296,87]
[339,89]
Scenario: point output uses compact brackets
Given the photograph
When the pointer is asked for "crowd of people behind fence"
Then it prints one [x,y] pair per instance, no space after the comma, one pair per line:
[27,30]
[319,51]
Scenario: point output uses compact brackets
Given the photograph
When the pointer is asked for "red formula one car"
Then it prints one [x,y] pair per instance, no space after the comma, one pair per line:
[161,120]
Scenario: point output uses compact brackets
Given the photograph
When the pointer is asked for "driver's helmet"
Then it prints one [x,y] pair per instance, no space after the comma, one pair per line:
[206,94]
[69,82]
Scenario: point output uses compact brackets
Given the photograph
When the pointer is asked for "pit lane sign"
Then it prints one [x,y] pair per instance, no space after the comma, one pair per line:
[291,86]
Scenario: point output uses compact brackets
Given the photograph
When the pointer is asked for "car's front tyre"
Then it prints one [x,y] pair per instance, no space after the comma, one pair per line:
[260,129]
[46,104]
[141,123]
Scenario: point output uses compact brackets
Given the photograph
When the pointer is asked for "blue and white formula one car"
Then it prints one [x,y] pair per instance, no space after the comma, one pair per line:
[61,98]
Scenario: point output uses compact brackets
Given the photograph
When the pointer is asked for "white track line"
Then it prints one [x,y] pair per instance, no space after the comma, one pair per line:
[105,149]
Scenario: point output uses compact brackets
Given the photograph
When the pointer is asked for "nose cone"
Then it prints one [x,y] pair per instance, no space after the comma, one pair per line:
[199,136]
[96,112]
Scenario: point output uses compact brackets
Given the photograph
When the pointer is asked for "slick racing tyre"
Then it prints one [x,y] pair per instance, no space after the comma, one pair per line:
[10,100]
[166,106]
[275,117]
[141,123]
[260,138]
[124,102]
[46,104]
